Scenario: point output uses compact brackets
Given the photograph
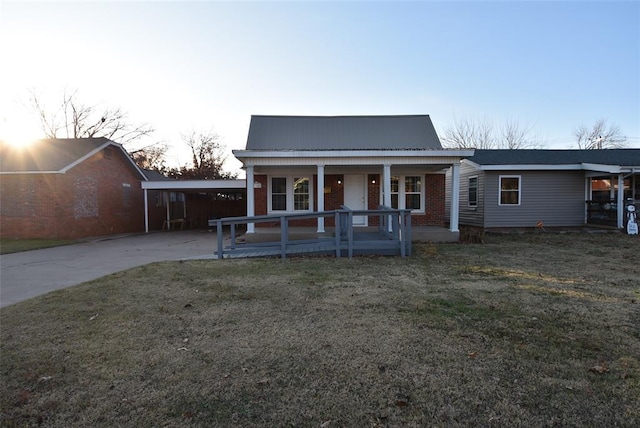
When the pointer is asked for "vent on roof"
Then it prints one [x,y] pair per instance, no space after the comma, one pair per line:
[108,152]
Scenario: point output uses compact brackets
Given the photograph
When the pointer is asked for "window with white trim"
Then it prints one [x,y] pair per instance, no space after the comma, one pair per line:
[300,194]
[407,192]
[509,190]
[472,190]
[278,193]
[290,193]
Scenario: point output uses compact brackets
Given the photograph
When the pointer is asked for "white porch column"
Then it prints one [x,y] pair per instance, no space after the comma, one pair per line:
[251,207]
[386,190]
[386,185]
[320,197]
[620,201]
[146,212]
[455,197]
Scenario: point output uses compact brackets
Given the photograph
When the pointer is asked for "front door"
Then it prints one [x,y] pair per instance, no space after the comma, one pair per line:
[354,196]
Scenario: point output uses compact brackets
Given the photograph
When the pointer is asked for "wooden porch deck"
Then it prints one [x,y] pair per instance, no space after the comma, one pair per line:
[392,237]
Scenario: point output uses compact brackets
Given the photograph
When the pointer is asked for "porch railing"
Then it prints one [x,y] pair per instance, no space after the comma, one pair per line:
[603,212]
[393,232]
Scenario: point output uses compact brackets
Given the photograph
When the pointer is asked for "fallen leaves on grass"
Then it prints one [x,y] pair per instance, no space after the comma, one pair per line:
[599,368]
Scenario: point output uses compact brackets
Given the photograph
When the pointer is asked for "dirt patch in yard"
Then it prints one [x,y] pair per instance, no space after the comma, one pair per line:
[530,329]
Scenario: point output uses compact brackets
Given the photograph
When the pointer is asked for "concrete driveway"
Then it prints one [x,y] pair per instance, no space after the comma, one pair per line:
[33,273]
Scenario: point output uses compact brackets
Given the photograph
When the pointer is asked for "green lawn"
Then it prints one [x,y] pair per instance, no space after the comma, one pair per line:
[524,330]
[8,246]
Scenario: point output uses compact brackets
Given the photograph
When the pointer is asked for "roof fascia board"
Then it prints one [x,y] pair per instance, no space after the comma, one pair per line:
[611,169]
[29,172]
[302,162]
[194,184]
[470,163]
[241,154]
[543,167]
[85,157]
[98,150]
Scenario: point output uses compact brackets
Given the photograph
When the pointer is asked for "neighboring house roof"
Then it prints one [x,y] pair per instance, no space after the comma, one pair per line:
[558,159]
[55,155]
[302,133]
[156,176]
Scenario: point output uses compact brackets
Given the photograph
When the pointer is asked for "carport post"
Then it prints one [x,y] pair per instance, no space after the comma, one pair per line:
[146,212]
[168,210]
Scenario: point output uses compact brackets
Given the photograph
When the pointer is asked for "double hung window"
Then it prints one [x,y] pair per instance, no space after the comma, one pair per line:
[473,192]
[407,192]
[509,190]
[290,193]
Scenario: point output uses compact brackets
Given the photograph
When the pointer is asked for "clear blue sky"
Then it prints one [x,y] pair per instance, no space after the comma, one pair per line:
[210,65]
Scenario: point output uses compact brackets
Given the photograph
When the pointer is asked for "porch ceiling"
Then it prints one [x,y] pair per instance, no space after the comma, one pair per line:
[195,186]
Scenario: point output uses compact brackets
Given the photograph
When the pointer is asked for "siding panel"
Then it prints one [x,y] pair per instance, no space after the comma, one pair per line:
[468,216]
[554,197]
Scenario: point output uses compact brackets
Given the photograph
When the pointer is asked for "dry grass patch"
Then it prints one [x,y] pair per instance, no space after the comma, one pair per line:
[530,330]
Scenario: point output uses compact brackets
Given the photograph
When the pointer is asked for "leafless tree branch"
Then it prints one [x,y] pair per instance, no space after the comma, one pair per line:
[87,121]
[600,136]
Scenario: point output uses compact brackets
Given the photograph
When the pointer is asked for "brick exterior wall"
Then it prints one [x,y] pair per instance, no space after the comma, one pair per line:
[88,200]
[434,186]
[434,202]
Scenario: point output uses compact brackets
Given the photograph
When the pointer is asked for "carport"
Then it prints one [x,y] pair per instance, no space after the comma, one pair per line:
[223,190]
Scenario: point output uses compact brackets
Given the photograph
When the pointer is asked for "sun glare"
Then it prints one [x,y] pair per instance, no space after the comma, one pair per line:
[15,136]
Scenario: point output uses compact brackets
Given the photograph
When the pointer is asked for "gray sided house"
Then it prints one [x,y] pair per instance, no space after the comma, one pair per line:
[300,164]
[550,188]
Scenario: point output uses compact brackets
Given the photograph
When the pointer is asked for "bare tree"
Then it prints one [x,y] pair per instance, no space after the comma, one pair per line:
[207,156]
[151,157]
[73,119]
[482,134]
[600,136]
[513,135]
[469,133]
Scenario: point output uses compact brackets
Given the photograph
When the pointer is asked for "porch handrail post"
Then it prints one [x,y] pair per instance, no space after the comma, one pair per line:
[403,233]
[320,197]
[350,233]
[407,229]
[284,224]
[220,239]
[251,210]
[386,188]
[396,226]
[337,233]
[232,228]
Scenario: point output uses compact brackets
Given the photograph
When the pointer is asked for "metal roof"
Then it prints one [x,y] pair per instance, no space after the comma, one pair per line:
[620,157]
[300,133]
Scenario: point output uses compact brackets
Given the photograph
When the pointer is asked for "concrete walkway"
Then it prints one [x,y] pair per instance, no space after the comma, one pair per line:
[33,273]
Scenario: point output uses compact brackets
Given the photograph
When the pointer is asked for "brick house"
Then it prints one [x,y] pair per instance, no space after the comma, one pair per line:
[69,188]
[318,163]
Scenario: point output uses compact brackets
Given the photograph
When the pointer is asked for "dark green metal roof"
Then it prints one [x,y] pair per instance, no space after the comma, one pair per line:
[620,157]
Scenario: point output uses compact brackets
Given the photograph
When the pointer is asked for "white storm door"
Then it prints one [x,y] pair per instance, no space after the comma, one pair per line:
[354,196]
